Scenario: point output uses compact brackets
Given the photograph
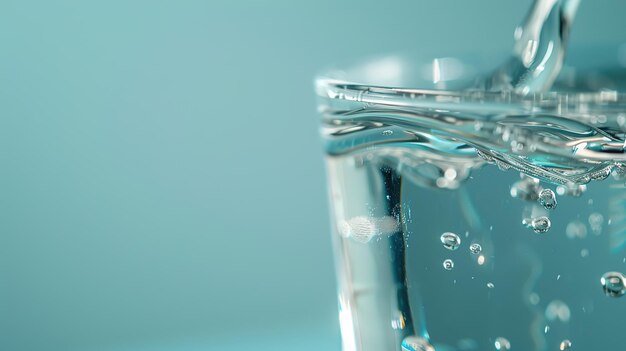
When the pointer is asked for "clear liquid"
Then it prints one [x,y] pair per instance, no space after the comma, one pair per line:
[538,291]
[462,224]
[539,50]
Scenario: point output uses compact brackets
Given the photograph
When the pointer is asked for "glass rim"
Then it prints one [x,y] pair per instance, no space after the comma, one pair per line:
[333,84]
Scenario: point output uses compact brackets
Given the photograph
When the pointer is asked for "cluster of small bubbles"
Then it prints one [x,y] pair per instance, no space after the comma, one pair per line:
[613,284]
[558,310]
[576,230]
[527,189]
[503,165]
[584,179]
[517,146]
[362,228]
[475,248]
[416,343]
[565,345]
[490,285]
[595,222]
[547,199]
[387,132]
[571,189]
[540,224]
[450,241]
[601,174]
[484,156]
[448,264]
[502,344]
[450,174]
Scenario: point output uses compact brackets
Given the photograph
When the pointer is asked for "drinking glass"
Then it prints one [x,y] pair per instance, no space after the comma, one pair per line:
[465,219]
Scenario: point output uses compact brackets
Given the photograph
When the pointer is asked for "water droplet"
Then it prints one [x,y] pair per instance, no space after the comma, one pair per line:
[613,284]
[557,310]
[490,285]
[450,241]
[448,264]
[387,132]
[595,222]
[565,345]
[541,224]
[475,248]
[502,344]
[416,343]
[576,230]
[547,199]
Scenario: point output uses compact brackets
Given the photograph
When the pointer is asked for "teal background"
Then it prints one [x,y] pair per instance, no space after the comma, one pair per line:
[161,179]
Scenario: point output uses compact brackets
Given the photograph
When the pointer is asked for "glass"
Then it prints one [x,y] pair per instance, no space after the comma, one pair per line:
[462,219]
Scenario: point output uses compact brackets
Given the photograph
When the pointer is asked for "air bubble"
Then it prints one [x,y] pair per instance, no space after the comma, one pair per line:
[576,230]
[613,284]
[540,224]
[502,344]
[490,285]
[558,310]
[450,241]
[595,222]
[387,132]
[565,345]
[533,298]
[448,264]
[547,199]
[416,343]
[584,253]
[475,248]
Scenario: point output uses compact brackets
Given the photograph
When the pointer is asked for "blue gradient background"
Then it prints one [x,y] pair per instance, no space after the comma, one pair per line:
[161,178]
